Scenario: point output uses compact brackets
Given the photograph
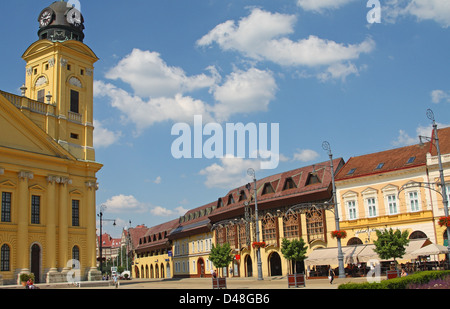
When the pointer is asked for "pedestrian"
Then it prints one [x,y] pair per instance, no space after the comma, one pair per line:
[404,273]
[214,274]
[331,275]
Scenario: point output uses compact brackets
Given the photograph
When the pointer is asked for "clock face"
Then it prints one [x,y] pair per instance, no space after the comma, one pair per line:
[46,18]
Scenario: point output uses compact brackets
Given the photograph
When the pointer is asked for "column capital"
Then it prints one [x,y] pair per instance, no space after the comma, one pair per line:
[25,175]
[92,185]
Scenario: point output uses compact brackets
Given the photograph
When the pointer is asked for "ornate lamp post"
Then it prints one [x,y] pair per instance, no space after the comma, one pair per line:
[102,208]
[251,173]
[435,139]
[326,147]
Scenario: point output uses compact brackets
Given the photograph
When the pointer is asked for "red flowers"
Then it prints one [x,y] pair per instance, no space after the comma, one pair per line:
[257,244]
[339,234]
[444,221]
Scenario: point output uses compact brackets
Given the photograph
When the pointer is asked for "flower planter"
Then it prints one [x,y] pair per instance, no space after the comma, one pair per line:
[339,234]
[296,280]
[257,245]
[444,221]
[219,283]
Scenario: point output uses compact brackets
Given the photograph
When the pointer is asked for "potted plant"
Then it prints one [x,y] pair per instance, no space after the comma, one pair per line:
[24,277]
[294,251]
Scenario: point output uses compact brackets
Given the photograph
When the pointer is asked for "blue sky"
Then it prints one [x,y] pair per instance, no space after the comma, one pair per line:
[317,68]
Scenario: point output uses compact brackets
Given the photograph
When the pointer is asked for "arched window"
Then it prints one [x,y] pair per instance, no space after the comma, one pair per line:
[5,258]
[291,225]
[354,241]
[270,229]
[76,253]
[418,235]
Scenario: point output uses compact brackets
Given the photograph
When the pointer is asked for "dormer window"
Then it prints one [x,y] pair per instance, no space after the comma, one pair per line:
[230,199]
[312,179]
[267,189]
[289,184]
[242,196]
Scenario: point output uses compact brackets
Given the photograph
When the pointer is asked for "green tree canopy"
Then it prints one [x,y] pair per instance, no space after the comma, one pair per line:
[221,256]
[294,250]
[391,244]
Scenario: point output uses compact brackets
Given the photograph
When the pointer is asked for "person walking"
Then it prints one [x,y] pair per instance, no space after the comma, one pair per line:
[331,275]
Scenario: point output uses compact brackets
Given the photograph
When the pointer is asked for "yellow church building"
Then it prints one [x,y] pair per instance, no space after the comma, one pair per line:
[47,159]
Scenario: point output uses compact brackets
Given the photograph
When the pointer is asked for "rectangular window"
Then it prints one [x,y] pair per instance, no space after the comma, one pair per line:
[6,207]
[414,201]
[392,204]
[351,206]
[372,207]
[35,209]
[74,101]
[75,213]
[41,96]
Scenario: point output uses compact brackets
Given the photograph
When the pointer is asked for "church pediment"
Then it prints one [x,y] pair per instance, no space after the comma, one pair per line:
[20,133]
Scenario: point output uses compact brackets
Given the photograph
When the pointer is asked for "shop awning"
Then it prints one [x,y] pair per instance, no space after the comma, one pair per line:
[358,253]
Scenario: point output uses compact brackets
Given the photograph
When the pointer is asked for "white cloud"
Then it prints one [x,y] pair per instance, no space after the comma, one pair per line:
[320,5]
[244,92]
[144,113]
[338,71]
[263,36]
[124,203]
[157,180]
[150,76]
[164,212]
[438,96]
[230,173]
[305,155]
[404,139]
[103,137]
[437,10]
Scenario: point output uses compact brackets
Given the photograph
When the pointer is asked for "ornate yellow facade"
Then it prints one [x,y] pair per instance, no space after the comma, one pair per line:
[47,167]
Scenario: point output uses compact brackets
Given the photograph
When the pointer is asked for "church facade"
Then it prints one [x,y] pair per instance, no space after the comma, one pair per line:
[47,168]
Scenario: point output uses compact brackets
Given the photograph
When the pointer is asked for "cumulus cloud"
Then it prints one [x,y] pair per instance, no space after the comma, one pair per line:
[164,212]
[103,137]
[230,173]
[242,92]
[404,139]
[124,203]
[263,36]
[438,96]
[150,76]
[305,155]
[435,10]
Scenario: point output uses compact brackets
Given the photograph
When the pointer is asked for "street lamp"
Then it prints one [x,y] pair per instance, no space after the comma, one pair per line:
[102,208]
[251,173]
[430,115]
[326,147]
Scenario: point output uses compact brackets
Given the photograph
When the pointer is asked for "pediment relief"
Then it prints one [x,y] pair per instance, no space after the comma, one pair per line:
[8,184]
[36,188]
[369,190]
[76,192]
[390,188]
[349,194]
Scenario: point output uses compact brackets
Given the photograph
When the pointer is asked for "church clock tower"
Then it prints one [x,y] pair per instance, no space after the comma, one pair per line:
[48,169]
[59,73]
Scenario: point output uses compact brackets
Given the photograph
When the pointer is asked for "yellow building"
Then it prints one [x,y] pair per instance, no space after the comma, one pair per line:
[153,252]
[192,240]
[47,166]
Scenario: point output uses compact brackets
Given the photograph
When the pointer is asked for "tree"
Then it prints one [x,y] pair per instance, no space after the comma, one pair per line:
[391,244]
[221,256]
[294,250]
